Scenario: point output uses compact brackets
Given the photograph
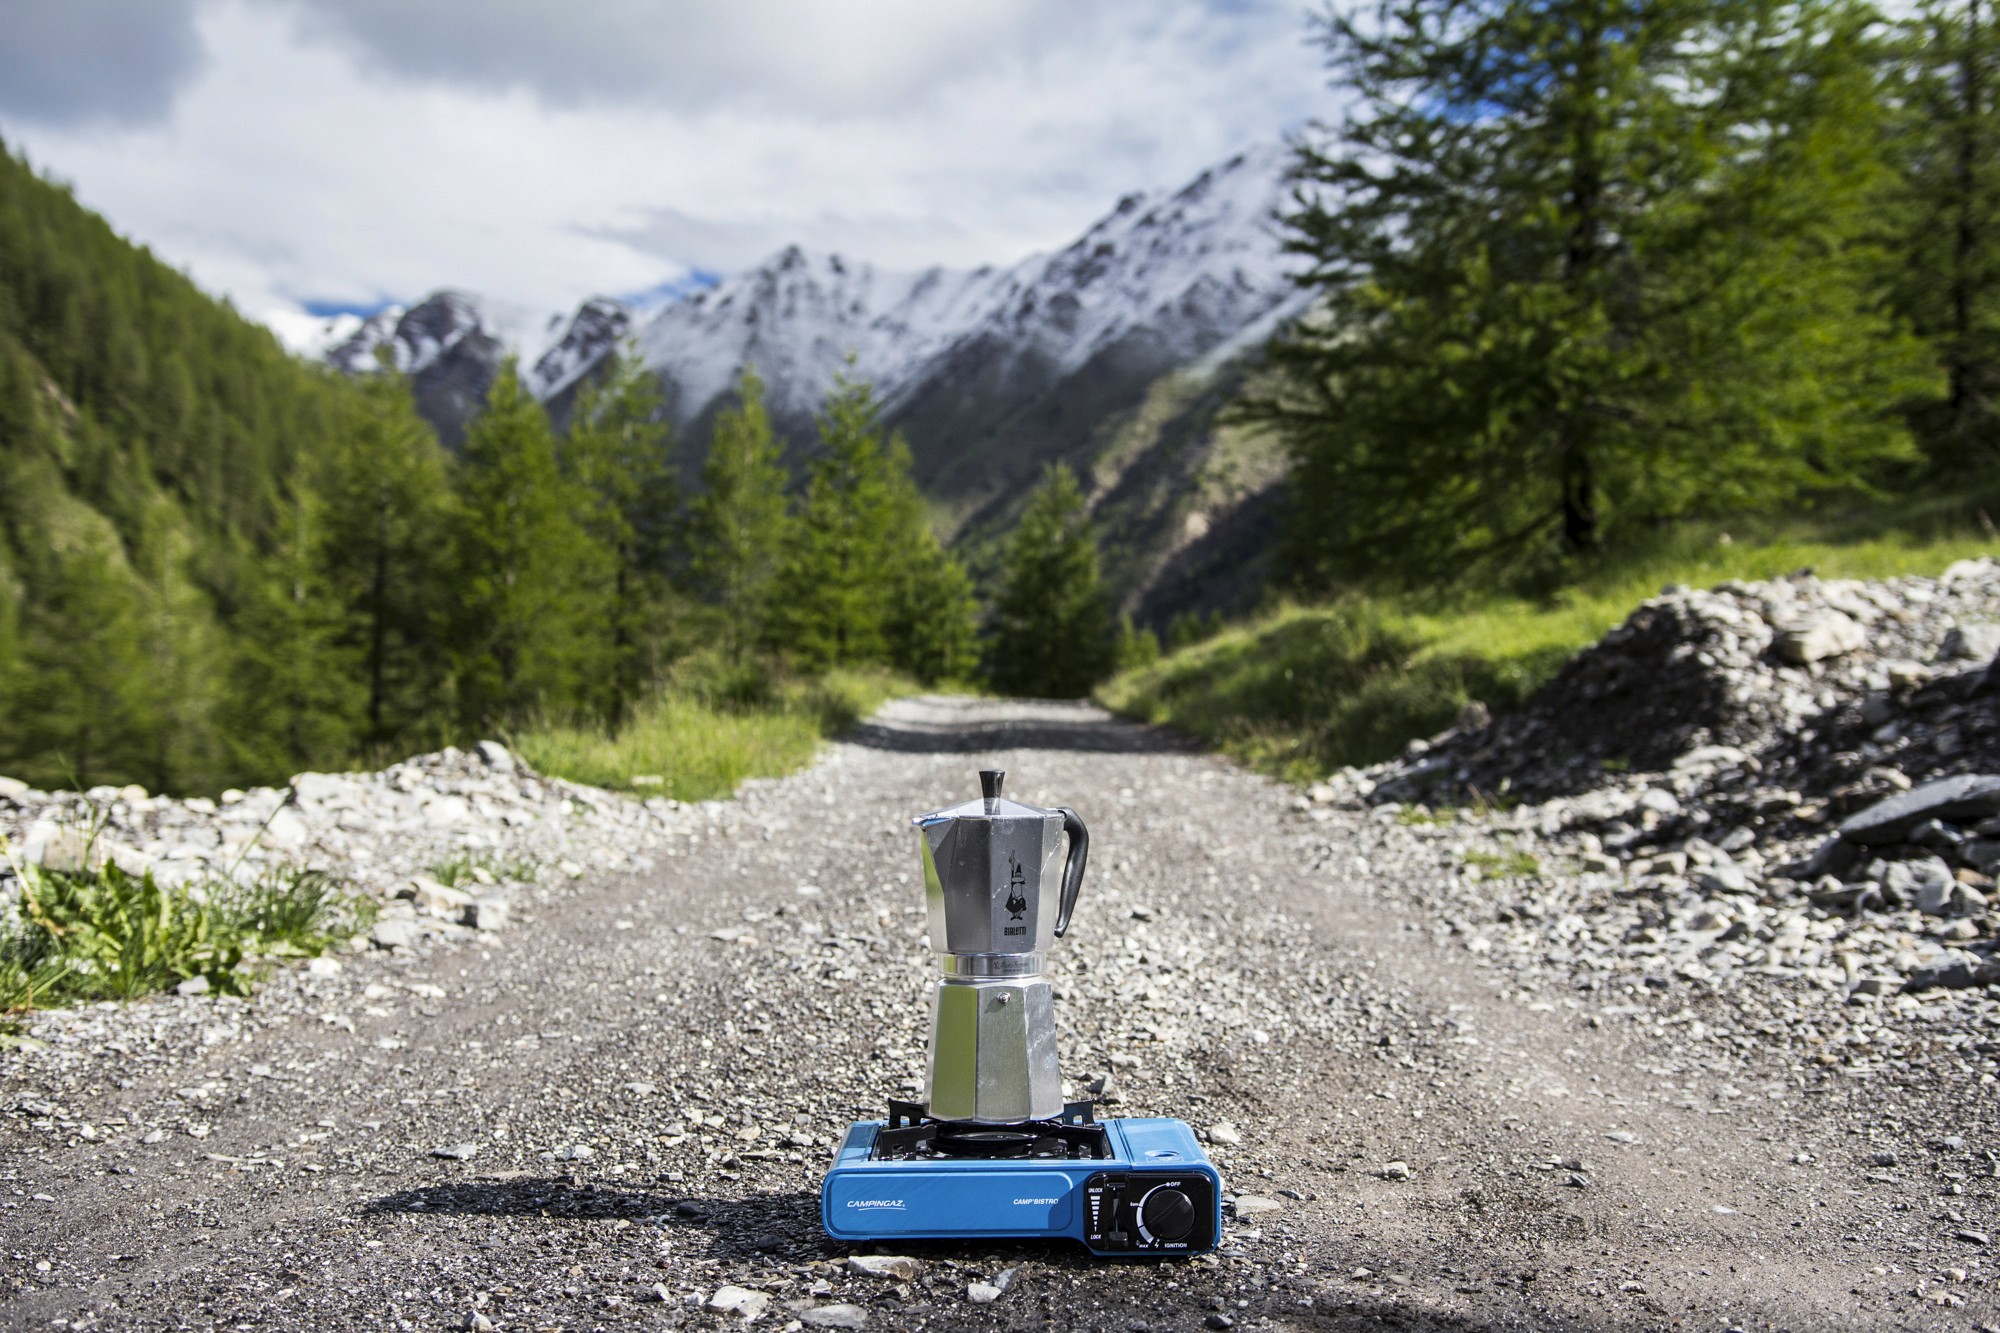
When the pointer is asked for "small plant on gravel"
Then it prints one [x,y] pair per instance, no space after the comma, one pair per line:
[1508,865]
[292,912]
[101,933]
[483,867]
[118,936]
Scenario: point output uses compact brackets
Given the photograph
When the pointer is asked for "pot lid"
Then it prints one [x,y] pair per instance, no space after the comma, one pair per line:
[990,805]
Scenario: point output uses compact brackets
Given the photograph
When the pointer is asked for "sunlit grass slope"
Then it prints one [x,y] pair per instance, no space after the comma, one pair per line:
[710,729]
[1304,690]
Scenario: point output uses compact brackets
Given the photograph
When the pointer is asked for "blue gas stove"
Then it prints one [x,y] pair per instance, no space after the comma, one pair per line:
[1125,1187]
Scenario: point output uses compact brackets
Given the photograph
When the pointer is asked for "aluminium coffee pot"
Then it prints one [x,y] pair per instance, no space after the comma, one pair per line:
[1000,892]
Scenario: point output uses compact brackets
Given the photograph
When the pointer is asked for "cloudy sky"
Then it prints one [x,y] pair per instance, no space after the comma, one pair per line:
[309,155]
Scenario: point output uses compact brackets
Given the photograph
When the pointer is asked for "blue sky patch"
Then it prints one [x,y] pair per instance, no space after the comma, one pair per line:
[328,309]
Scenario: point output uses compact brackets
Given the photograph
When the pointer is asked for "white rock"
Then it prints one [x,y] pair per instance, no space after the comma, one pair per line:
[448,811]
[392,932]
[128,859]
[1660,801]
[900,1267]
[438,899]
[1711,756]
[1967,569]
[982,1293]
[322,791]
[1224,1133]
[13,788]
[1971,643]
[497,756]
[487,914]
[835,1316]
[286,830]
[1250,1205]
[1829,634]
[739,1301]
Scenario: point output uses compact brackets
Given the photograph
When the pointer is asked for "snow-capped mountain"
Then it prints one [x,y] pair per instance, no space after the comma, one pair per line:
[798,317]
[990,373]
[451,345]
[1192,269]
[597,327]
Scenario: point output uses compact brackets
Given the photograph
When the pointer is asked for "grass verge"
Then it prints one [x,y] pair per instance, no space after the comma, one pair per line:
[711,728]
[1304,690]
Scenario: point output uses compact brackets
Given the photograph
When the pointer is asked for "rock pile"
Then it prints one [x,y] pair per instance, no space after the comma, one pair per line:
[1818,681]
[1794,778]
[445,842]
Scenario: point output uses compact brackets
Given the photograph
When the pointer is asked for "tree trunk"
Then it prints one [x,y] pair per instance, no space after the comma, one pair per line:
[1966,246]
[1581,257]
[378,617]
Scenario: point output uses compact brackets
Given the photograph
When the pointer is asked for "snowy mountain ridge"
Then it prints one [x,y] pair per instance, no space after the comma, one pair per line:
[1193,266]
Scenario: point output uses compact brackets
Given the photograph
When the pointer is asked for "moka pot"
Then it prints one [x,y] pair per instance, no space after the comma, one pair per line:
[1000,892]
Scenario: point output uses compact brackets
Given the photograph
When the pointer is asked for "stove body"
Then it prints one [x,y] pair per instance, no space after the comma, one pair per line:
[1134,1187]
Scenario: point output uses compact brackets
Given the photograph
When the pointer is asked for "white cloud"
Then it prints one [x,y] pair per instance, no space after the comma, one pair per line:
[354,152]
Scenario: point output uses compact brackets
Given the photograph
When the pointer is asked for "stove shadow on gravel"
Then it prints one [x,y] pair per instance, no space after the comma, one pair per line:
[760,1224]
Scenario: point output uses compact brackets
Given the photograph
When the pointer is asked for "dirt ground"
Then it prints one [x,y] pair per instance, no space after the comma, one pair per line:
[638,1089]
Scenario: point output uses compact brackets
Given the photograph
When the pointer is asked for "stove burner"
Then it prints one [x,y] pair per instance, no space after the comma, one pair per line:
[913,1134]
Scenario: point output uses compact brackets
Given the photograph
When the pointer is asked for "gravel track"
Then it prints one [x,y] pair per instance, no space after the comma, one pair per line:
[641,1088]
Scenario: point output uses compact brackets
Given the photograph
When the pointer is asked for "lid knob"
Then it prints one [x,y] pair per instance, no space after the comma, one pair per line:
[989,782]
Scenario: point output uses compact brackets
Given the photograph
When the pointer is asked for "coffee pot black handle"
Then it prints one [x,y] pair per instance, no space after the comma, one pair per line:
[1079,852]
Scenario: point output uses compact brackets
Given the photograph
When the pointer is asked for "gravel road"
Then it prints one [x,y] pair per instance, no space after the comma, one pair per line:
[601,1117]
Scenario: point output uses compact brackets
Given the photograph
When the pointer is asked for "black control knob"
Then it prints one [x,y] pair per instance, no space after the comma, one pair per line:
[1167,1214]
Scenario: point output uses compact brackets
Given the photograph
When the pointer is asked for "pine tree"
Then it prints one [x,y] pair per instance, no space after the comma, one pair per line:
[933,628]
[1137,647]
[740,526]
[831,598]
[1586,265]
[1947,143]
[530,623]
[1051,633]
[616,452]
[384,510]
[84,710]
[297,700]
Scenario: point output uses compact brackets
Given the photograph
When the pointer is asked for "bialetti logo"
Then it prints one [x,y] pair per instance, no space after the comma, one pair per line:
[1023,1203]
[896,1204]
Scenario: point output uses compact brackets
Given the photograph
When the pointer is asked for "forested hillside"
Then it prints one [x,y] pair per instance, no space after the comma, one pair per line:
[149,441]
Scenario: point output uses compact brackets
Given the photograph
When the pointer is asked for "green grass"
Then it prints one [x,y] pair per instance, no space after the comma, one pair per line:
[1305,690]
[483,867]
[103,934]
[712,728]
[1511,865]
